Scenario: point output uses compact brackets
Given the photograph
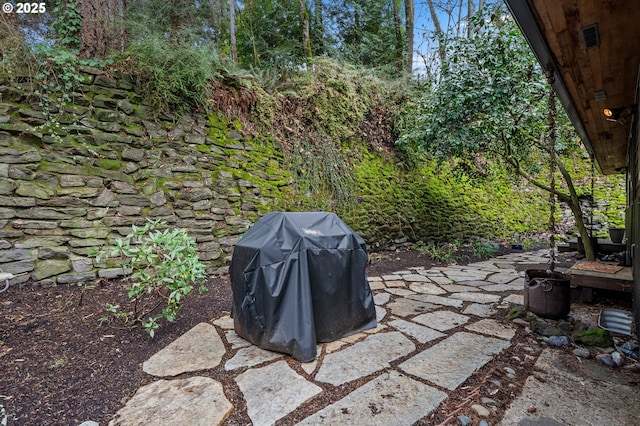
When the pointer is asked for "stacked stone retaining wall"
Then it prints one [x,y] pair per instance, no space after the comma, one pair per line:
[77,178]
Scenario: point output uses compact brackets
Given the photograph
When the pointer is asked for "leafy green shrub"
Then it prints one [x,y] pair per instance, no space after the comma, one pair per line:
[484,248]
[163,267]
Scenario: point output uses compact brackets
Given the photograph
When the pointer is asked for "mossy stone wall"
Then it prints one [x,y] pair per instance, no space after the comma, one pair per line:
[77,179]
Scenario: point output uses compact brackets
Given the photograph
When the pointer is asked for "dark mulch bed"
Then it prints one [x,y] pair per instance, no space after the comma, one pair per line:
[59,366]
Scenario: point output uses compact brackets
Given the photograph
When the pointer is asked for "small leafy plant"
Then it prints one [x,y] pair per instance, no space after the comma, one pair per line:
[163,267]
[484,248]
[445,252]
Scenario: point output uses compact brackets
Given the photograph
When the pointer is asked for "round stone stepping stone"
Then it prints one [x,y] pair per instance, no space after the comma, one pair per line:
[200,348]
[192,401]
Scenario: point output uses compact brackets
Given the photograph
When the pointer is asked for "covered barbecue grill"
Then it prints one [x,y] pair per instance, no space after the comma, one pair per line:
[299,279]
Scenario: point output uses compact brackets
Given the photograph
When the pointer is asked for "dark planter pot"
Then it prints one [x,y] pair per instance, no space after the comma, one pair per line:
[616,235]
[547,294]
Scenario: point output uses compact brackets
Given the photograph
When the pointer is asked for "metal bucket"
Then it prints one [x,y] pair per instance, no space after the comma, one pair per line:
[547,294]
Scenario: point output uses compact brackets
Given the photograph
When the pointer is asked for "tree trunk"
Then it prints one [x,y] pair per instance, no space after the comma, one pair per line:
[409,11]
[102,28]
[571,199]
[306,36]
[438,29]
[397,30]
[232,31]
[470,12]
[318,27]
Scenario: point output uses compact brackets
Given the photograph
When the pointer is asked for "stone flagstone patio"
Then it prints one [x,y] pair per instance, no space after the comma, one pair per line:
[445,308]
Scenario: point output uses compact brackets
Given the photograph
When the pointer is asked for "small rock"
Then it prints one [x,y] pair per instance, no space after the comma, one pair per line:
[483,423]
[582,352]
[490,402]
[464,420]
[510,372]
[480,410]
[558,341]
[606,359]
[89,423]
[546,329]
[617,358]
[532,409]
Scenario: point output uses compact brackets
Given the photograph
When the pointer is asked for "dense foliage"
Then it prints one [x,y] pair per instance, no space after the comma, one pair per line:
[316,75]
[493,103]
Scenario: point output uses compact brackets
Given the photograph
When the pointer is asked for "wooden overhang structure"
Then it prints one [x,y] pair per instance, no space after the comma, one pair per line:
[592,50]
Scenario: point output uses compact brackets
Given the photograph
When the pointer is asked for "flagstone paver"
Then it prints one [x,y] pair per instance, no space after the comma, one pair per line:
[381,298]
[400,291]
[406,307]
[476,297]
[437,300]
[442,320]
[225,322]
[389,399]
[366,357]
[515,299]
[515,285]
[426,288]
[197,401]
[415,278]
[392,277]
[250,356]
[200,348]
[376,285]
[492,328]
[419,332]
[503,277]
[479,310]
[274,391]
[440,280]
[457,288]
[236,341]
[380,313]
[450,362]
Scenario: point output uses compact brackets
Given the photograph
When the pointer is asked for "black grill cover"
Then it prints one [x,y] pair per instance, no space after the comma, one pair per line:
[298,279]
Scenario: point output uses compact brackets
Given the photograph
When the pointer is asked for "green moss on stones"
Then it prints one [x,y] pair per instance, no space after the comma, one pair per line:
[108,164]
